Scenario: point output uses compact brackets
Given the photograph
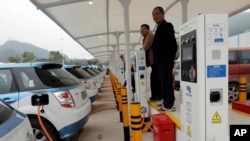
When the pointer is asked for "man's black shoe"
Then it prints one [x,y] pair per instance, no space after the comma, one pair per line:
[172,109]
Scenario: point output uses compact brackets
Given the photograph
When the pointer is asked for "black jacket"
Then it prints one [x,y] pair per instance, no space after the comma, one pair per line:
[164,44]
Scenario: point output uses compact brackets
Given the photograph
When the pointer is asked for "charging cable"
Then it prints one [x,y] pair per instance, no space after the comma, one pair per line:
[42,125]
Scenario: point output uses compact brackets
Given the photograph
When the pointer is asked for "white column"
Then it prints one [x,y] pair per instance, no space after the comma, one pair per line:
[125,4]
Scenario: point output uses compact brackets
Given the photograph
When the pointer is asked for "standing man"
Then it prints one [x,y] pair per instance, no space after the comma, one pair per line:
[147,41]
[124,63]
[132,73]
[164,51]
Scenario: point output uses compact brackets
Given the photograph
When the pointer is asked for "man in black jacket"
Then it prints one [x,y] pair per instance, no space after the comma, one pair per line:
[164,51]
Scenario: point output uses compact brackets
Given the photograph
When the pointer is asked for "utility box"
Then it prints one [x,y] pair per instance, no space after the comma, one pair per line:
[204,78]
[163,128]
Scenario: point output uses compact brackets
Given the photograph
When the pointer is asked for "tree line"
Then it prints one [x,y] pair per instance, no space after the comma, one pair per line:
[54,56]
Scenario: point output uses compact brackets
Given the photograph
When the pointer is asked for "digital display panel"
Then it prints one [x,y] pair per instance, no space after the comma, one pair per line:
[187,53]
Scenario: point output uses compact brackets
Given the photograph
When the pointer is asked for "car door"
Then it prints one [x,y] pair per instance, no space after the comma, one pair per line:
[8,88]
[14,125]
[234,69]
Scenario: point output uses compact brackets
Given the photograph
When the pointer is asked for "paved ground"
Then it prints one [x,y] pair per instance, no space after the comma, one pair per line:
[104,123]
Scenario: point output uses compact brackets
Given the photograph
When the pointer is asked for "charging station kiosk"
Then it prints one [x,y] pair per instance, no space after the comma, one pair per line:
[204,78]
[141,81]
[121,73]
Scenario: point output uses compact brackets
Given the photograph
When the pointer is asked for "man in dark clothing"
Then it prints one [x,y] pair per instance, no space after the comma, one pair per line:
[147,41]
[164,51]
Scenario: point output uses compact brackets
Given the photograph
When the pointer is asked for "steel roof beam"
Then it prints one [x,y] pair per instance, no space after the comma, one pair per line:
[105,33]
[94,47]
[57,3]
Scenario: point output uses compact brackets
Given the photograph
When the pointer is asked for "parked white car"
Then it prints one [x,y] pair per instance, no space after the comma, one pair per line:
[88,80]
[68,109]
[14,125]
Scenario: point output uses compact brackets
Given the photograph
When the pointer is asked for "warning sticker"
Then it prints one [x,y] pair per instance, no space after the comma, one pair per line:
[216,118]
[189,131]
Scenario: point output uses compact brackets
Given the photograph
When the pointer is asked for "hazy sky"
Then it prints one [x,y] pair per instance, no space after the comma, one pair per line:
[20,20]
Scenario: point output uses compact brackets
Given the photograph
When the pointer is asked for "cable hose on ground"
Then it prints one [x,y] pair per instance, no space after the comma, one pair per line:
[143,119]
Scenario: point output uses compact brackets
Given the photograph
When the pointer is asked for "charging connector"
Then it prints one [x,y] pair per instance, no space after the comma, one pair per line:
[215,96]
[40,100]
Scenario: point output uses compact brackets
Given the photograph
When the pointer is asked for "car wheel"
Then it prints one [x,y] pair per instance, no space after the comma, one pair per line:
[233,92]
[39,134]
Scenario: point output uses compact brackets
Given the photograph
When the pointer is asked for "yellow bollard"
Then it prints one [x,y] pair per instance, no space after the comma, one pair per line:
[115,94]
[119,99]
[125,114]
[135,117]
[243,89]
[114,82]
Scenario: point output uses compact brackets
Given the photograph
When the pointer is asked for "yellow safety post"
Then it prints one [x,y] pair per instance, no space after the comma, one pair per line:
[125,114]
[114,81]
[243,89]
[119,99]
[115,95]
[135,118]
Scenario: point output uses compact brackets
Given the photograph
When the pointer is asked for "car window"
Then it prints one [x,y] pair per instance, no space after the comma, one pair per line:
[27,82]
[6,81]
[245,56]
[91,71]
[86,74]
[95,70]
[57,77]
[232,57]
[101,70]
[82,73]
[74,72]
[27,79]
[5,112]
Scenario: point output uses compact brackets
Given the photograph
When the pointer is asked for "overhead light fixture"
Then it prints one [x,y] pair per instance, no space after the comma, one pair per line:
[90,2]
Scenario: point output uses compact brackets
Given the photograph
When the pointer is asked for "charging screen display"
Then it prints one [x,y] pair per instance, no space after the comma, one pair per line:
[187,53]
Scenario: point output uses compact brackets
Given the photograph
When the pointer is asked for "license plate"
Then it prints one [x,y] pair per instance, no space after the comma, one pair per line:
[84,94]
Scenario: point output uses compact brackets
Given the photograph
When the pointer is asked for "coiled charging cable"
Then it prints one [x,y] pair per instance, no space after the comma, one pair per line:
[42,125]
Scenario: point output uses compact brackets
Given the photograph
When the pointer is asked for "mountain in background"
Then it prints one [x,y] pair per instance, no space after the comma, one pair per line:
[13,48]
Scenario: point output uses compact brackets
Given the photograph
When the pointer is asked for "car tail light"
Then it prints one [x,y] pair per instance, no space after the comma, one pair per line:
[87,86]
[65,99]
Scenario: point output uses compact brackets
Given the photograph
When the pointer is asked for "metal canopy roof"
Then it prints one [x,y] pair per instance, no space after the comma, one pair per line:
[99,28]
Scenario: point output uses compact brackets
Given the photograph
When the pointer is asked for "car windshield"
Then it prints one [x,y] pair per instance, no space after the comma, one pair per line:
[90,71]
[83,73]
[86,73]
[78,72]
[56,77]
[96,71]
[5,112]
